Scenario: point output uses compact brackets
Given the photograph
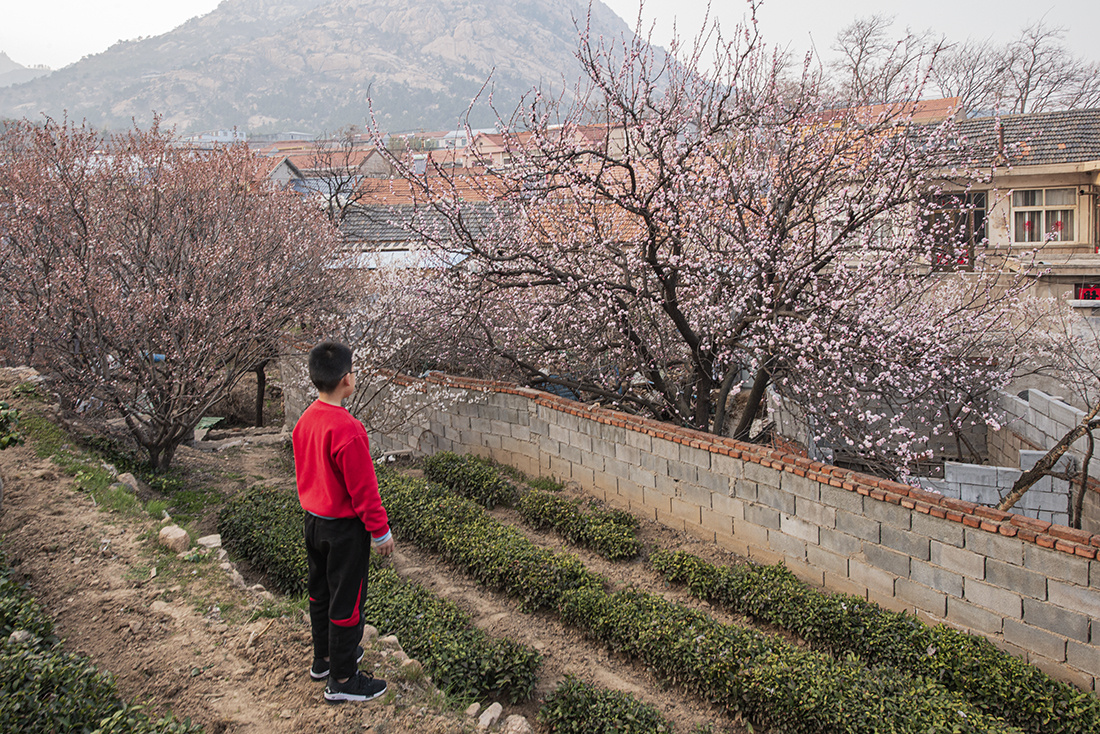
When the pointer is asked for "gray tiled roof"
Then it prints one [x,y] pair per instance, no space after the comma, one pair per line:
[1070,136]
[379,226]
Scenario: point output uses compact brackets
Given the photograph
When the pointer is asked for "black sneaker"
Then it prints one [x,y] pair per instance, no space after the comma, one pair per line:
[319,669]
[359,687]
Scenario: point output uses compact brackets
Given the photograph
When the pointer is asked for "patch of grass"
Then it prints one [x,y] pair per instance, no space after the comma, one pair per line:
[47,437]
[156,508]
[187,505]
[287,606]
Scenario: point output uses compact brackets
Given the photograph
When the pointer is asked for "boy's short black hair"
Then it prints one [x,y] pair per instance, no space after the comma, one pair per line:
[329,361]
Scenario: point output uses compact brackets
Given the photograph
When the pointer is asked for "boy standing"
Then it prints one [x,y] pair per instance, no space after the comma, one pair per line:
[344,517]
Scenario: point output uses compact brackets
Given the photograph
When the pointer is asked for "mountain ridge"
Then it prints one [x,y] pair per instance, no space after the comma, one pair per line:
[268,65]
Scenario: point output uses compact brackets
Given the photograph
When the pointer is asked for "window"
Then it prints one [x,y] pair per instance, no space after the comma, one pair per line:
[1087,292]
[955,223]
[1040,215]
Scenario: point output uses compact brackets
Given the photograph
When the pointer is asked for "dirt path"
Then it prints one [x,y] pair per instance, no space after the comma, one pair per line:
[178,634]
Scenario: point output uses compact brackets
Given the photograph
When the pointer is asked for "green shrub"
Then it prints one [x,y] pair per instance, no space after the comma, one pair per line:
[464,661]
[499,556]
[471,477]
[19,610]
[576,707]
[715,661]
[264,525]
[611,533]
[9,426]
[990,679]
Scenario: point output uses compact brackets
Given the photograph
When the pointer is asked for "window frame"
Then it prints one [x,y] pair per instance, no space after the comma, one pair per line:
[1044,212]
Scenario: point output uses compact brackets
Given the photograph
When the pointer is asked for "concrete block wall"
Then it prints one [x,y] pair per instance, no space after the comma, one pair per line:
[1048,499]
[1036,424]
[1031,587]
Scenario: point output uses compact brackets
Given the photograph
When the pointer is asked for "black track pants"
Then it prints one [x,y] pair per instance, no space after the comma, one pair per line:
[339,553]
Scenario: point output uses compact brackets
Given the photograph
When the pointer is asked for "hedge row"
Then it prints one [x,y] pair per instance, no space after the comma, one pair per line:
[464,661]
[264,525]
[763,677]
[991,679]
[44,689]
[576,707]
[498,555]
[473,478]
[611,533]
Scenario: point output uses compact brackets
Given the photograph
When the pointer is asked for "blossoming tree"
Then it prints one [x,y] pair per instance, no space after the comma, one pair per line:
[149,277]
[693,227]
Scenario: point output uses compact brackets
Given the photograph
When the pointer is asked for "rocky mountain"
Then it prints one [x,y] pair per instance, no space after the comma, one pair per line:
[13,73]
[276,65]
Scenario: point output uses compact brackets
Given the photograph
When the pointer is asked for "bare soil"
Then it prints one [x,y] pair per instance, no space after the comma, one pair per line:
[179,635]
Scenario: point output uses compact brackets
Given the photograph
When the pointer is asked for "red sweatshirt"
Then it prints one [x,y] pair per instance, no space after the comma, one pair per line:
[334,469]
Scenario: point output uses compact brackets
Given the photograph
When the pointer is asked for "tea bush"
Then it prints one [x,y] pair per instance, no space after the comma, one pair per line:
[44,689]
[463,660]
[737,668]
[264,525]
[498,555]
[991,679]
[9,426]
[576,707]
[471,477]
[611,533]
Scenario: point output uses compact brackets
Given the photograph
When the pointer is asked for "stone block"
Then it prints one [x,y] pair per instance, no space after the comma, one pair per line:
[886,512]
[941,529]
[657,500]
[653,463]
[683,472]
[696,495]
[973,618]
[1051,618]
[666,485]
[765,556]
[1018,578]
[959,560]
[631,492]
[826,560]
[844,585]
[776,498]
[908,542]
[699,531]
[858,525]
[1035,640]
[922,597]
[1004,602]
[174,538]
[796,527]
[838,542]
[643,442]
[1085,658]
[992,545]
[788,545]
[718,522]
[627,454]
[842,499]
[762,515]
[666,518]
[667,450]
[712,481]
[642,477]
[872,577]
[761,475]
[800,486]
[751,534]
[745,489]
[1080,599]
[727,505]
[815,512]
[686,511]
[806,572]
[886,559]
[697,458]
[1056,564]
[726,466]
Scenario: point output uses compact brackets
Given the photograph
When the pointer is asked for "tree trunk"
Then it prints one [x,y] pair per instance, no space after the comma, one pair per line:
[1047,462]
[1077,507]
[261,387]
[756,398]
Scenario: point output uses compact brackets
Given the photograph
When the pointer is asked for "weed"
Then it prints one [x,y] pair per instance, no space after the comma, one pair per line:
[545,484]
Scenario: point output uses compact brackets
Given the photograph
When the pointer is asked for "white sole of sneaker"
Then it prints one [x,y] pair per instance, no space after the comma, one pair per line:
[338,697]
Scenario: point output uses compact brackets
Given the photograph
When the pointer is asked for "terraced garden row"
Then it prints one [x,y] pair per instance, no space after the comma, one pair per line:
[840,665]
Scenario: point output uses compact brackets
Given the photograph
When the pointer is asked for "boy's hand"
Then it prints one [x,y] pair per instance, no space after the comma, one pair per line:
[384,549]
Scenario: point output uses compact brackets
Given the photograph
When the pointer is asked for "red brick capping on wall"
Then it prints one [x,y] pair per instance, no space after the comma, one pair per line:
[1045,534]
[1031,587]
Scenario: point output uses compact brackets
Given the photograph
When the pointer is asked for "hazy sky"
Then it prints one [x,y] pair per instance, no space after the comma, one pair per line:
[59,32]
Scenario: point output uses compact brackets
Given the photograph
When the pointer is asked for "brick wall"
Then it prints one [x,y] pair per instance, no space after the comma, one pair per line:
[1030,586]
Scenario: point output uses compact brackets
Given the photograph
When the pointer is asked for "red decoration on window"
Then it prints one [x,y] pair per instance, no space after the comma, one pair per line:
[1088,293]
